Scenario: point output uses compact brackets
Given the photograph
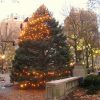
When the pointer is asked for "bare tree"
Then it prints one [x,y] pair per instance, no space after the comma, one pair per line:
[93,4]
[72,30]
[89,30]
[8,35]
[81,25]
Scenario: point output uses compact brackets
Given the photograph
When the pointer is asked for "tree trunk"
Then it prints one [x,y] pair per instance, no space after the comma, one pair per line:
[76,55]
[92,59]
[83,55]
[87,58]
[2,66]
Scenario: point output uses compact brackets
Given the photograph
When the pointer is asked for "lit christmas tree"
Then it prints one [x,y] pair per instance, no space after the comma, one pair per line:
[43,54]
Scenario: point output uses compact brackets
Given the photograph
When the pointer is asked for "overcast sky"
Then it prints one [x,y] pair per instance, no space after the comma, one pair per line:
[27,7]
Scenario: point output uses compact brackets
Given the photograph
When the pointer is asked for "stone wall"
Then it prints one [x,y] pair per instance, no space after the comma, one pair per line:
[58,89]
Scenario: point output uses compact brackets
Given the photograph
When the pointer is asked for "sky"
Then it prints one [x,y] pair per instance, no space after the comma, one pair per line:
[27,7]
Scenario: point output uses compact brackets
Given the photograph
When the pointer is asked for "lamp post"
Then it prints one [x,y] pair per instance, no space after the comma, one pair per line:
[2,59]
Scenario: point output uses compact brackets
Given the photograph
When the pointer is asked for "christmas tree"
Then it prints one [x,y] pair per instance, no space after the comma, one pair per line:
[43,53]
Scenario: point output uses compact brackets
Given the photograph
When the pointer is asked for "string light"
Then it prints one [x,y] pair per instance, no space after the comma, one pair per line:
[25,84]
[32,26]
[21,86]
[41,76]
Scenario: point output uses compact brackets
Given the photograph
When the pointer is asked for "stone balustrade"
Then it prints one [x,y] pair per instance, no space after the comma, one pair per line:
[59,89]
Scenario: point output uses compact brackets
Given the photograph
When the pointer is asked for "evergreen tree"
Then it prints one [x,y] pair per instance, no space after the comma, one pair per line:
[58,51]
[43,54]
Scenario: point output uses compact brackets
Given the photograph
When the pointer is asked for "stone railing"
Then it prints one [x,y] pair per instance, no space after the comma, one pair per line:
[58,89]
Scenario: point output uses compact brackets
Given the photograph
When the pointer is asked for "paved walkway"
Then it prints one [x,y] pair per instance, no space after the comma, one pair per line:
[13,93]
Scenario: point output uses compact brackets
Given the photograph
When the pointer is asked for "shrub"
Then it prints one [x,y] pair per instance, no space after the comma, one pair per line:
[97,82]
[89,80]
[92,90]
[92,83]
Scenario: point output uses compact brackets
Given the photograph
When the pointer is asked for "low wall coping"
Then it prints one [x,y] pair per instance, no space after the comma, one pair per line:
[55,82]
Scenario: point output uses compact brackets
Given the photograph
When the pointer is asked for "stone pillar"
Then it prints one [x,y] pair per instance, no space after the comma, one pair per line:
[79,70]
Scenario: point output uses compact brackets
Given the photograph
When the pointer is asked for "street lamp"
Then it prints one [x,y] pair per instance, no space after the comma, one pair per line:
[2,58]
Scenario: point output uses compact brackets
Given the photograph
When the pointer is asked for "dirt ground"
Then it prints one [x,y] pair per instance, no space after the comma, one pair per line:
[80,94]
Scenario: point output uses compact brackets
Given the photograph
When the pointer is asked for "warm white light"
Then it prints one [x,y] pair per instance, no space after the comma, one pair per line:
[72,63]
[3,56]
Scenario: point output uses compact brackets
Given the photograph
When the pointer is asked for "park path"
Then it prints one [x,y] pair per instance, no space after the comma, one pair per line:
[13,93]
[17,94]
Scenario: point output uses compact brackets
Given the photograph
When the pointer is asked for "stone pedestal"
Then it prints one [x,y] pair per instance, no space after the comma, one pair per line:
[79,70]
